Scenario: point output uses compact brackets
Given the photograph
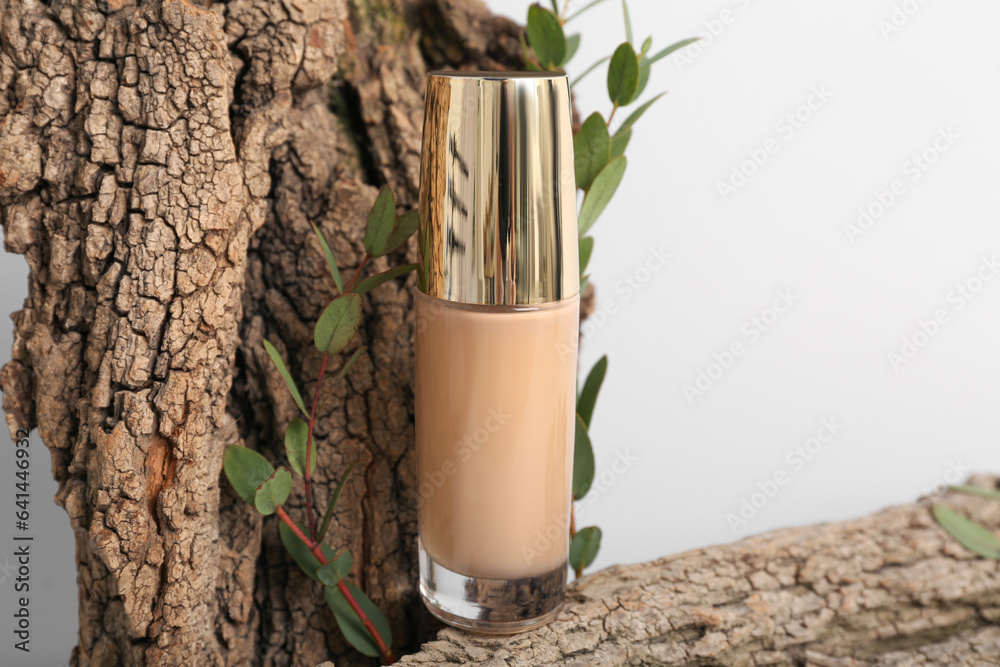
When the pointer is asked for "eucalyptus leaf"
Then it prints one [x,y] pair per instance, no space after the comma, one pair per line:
[296,434]
[406,224]
[584,547]
[246,470]
[623,75]
[646,46]
[338,323]
[350,362]
[299,551]
[545,36]
[643,80]
[620,142]
[350,624]
[583,461]
[586,248]
[971,535]
[273,491]
[572,46]
[279,363]
[593,3]
[591,150]
[628,22]
[663,53]
[591,388]
[636,115]
[332,505]
[591,69]
[330,261]
[335,570]
[371,283]
[381,221]
[993,494]
[601,191]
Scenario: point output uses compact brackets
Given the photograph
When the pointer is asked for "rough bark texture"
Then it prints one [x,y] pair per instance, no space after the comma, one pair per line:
[160,162]
[892,589]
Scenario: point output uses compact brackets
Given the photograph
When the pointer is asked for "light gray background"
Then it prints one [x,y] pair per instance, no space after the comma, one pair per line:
[684,466]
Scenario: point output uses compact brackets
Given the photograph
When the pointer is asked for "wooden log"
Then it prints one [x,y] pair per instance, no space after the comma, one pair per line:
[892,588]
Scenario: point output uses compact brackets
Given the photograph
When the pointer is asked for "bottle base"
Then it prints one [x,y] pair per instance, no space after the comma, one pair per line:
[490,606]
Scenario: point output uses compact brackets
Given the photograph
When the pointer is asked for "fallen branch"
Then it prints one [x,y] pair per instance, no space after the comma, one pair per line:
[889,589]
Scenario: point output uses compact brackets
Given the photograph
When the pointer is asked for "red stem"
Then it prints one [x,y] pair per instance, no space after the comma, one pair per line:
[316,549]
[354,279]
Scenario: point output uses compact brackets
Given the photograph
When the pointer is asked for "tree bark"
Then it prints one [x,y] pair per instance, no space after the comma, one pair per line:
[891,589]
[160,164]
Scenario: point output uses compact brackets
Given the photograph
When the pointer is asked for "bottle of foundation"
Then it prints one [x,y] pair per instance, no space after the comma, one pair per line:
[497,317]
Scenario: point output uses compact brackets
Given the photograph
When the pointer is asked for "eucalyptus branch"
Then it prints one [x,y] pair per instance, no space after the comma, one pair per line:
[266,489]
[315,548]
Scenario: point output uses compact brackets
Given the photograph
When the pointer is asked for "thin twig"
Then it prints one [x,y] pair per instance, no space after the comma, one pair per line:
[309,439]
[315,548]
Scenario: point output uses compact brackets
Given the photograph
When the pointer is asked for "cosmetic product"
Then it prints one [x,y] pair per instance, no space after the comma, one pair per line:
[497,325]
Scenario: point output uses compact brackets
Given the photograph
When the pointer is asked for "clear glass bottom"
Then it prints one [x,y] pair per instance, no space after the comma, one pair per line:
[490,606]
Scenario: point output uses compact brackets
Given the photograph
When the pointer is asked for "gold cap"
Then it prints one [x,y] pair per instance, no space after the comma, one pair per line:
[498,189]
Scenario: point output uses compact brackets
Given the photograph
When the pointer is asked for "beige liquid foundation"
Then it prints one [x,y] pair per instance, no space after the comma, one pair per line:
[497,319]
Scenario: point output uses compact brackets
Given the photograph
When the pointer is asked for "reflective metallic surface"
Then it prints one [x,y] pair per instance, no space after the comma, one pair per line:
[497,189]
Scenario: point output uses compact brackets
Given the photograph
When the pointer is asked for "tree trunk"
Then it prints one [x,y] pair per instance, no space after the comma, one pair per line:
[160,164]
[892,589]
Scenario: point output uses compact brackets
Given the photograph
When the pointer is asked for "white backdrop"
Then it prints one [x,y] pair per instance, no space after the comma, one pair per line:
[899,122]
[849,102]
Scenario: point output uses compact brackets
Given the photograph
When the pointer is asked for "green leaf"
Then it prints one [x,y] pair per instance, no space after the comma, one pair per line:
[586,247]
[583,461]
[350,362]
[628,22]
[381,221]
[555,6]
[296,434]
[643,80]
[636,115]
[572,46]
[368,284]
[350,624]
[545,35]
[601,191]
[971,535]
[591,150]
[584,547]
[993,494]
[591,388]
[591,69]
[670,49]
[332,505]
[330,261]
[337,569]
[300,553]
[620,142]
[246,470]
[593,3]
[583,283]
[646,46]
[279,363]
[406,224]
[273,491]
[338,323]
[623,75]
